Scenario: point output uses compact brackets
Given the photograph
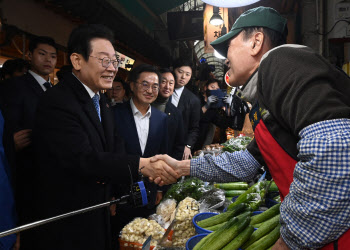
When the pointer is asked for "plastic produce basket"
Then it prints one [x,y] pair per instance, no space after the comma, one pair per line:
[192,242]
[199,217]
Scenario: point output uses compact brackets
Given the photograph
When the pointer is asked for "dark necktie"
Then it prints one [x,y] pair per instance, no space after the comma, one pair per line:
[96,101]
[47,85]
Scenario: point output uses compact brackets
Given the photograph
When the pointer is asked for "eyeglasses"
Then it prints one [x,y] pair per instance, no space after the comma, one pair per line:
[107,61]
[146,85]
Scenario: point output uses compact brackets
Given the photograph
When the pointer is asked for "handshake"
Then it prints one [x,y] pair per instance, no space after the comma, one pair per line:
[164,170]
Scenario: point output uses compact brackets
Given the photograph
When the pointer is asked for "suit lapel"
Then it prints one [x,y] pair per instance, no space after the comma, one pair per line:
[88,106]
[152,132]
[107,122]
[34,85]
[133,137]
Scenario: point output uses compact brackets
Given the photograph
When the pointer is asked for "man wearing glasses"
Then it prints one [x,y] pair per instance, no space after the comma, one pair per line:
[144,129]
[79,154]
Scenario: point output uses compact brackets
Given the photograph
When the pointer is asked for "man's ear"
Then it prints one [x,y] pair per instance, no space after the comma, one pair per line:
[132,86]
[257,42]
[29,55]
[76,60]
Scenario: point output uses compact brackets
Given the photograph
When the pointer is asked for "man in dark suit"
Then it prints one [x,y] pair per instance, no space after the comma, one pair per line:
[21,102]
[176,141]
[187,103]
[144,129]
[79,154]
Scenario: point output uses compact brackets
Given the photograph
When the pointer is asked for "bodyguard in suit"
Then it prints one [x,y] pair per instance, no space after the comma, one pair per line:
[187,103]
[176,141]
[144,129]
[79,154]
[21,103]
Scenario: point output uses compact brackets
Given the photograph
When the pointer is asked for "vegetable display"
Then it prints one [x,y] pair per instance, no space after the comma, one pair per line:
[183,228]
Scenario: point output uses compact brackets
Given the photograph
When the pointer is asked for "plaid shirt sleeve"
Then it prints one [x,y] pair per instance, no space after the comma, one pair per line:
[317,209]
[226,167]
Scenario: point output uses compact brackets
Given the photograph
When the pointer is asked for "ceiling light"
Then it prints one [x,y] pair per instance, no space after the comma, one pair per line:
[216,19]
[230,3]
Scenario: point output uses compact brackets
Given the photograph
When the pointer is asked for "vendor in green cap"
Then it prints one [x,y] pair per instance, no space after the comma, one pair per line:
[300,116]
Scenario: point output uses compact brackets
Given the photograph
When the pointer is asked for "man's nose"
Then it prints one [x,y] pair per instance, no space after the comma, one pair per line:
[111,68]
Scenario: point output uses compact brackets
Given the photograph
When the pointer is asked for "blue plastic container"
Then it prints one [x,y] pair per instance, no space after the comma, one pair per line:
[192,242]
[270,202]
[199,217]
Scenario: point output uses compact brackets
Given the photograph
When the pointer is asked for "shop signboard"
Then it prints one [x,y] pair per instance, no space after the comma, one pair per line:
[125,61]
[212,32]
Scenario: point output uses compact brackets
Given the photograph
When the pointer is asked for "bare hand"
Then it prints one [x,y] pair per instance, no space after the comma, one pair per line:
[159,197]
[22,139]
[158,169]
[280,245]
[182,168]
[187,154]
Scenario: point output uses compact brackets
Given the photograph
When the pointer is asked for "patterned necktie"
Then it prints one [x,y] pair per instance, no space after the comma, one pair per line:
[96,101]
[47,85]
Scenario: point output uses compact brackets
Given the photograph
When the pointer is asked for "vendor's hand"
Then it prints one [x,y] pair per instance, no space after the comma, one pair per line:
[22,139]
[159,197]
[187,154]
[166,175]
[280,245]
[211,101]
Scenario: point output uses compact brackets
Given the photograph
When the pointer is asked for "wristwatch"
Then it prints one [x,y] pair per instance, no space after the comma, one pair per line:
[188,146]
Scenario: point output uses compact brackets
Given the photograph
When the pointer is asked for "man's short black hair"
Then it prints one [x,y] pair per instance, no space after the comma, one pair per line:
[80,38]
[182,62]
[33,44]
[136,72]
[124,84]
[166,70]
[275,38]
[12,65]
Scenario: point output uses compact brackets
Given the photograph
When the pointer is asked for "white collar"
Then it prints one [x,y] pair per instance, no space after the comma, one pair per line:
[179,90]
[38,78]
[135,109]
[91,93]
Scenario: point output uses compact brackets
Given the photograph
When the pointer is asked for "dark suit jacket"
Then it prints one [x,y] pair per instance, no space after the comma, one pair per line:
[157,141]
[175,131]
[23,94]
[189,107]
[78,157]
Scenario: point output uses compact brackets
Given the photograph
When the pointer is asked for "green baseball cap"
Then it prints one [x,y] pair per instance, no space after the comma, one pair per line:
[257,17]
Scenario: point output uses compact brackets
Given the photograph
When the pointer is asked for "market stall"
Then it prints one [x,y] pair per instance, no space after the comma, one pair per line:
[200,215]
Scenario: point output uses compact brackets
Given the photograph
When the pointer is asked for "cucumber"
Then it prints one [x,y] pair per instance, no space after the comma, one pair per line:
[202,242]
[257,225]
[220,218]
[233,193]
[232,186]
[215,227]
[269,213]
[240,239]
[226,233]
[273,187]
[266,241]
[245,197]
[265,228]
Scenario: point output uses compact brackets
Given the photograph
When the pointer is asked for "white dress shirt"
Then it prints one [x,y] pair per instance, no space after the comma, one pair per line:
[142,124]
[177,95]
[90,92]
[39,79]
